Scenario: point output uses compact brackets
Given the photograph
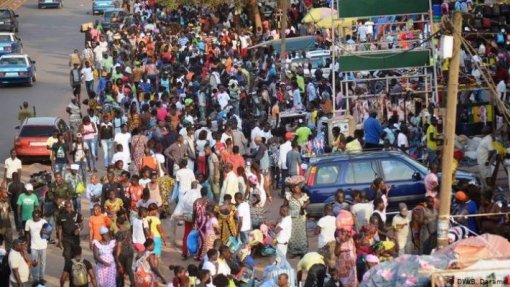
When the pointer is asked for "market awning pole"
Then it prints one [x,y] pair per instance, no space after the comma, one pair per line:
[333,51]
[283,37]
[449,134]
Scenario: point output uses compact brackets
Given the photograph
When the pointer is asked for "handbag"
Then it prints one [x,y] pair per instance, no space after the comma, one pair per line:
[486,23]
[80,188]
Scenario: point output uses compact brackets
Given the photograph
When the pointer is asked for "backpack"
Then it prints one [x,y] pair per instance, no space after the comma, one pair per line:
[79,273]
[500,38]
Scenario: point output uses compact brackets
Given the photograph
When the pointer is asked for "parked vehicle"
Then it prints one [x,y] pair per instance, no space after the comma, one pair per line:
[33,135]
[356,171]
[10,43]
[112,18]
[99,6]
[17,69]
[8,20]
[50,4]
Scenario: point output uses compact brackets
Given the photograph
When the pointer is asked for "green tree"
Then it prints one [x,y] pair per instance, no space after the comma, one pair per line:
[250,5]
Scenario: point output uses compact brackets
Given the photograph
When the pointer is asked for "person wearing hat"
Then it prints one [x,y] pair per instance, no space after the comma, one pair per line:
[74,178]
[465,206]
[106,265]
[401,227]
[20,263]
[27,201]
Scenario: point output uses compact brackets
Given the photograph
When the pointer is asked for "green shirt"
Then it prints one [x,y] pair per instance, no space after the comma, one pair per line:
[302,135]
[63,191]
[27,204]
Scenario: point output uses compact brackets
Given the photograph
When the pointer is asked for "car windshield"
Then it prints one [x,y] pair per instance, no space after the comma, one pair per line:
[4,14]
[5,38]
[11,61]
[36,131]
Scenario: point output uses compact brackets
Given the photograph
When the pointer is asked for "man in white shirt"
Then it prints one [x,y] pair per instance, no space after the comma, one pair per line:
[501,89]
[362,210]
[124,138]
[402,141]
[12,164]
[223,98]
[87,74]
[184,176]
[230,184]
[362,33]
[18,258]
[484,154]
[244,216]
[210,264]
[223,259]
[326,227]
[401,226]
[282,159]
[38,245]
[283,230]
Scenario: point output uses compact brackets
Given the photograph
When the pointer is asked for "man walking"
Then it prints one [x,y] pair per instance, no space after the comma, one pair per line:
[37,245]
[69,226]
[12,165]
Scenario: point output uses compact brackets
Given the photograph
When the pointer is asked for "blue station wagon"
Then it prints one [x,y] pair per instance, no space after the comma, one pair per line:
[10,43]
[17,69]
[356,171]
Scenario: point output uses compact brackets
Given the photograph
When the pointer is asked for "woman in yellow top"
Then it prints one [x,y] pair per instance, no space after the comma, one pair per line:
[155,229]
[113,203]
[227,219]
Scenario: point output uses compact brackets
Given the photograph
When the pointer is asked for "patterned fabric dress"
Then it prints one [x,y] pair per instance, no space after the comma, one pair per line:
[227,224]
[144,277]
[138,144]
[298,243]
[105,275]
[166,185]
[346,264]
[201,225]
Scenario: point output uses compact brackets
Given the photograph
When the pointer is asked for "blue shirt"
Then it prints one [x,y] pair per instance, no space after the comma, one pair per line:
[373,130]
[471,222]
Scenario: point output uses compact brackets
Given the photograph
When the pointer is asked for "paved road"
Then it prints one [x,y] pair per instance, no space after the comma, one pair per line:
[48,37]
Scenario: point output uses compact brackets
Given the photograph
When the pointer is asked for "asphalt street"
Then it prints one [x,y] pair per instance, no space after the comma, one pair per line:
[49,36]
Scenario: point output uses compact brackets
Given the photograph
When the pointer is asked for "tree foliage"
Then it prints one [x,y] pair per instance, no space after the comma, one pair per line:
[172,4]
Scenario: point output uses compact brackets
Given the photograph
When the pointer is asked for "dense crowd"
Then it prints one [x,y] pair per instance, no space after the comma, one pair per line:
[188,119]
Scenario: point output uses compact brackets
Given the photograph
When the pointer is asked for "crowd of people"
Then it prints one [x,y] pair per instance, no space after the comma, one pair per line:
[187,119]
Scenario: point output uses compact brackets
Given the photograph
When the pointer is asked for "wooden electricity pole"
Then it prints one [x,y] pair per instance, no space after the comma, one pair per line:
[284,4]
[449,121]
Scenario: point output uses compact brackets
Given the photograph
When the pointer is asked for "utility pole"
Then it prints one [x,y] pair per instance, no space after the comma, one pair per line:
[449,134]
[333,57]
[284,4]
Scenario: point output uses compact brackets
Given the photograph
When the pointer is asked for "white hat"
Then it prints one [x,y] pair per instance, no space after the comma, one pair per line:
[29,186]
[128,70]
[75,167]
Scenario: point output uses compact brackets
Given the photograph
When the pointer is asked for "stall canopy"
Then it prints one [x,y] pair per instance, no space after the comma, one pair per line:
[293,44]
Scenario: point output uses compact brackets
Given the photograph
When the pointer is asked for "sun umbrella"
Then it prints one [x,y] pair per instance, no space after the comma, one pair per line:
[317,14]
[329,21]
